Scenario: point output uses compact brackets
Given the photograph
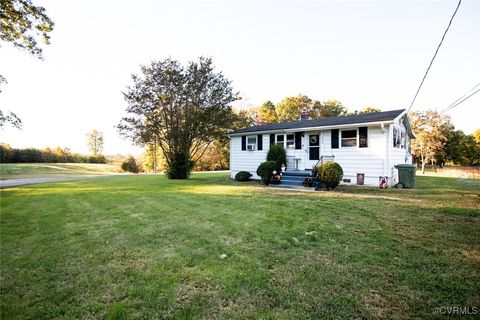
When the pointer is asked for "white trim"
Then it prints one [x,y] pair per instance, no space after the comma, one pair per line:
[255,145]
[318,128]
[357,138]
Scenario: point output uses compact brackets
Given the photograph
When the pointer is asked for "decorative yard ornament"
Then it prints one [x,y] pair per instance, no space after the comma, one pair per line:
[383,181]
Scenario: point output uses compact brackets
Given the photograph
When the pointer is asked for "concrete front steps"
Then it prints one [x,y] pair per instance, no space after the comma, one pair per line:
[293,179]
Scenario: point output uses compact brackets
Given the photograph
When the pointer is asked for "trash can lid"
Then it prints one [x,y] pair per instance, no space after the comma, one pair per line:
[404,165]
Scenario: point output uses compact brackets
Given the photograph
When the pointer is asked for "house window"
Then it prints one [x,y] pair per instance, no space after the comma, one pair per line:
[349,138]
[251,143]
[280,139]
[290,141]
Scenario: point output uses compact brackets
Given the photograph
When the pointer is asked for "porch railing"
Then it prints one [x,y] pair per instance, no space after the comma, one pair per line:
[324,159]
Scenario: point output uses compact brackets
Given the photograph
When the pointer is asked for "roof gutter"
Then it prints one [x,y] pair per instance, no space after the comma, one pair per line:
[349,125]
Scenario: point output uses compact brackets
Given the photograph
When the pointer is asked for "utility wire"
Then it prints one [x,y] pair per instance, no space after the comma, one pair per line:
[436,51]
[461,97]
[457,102]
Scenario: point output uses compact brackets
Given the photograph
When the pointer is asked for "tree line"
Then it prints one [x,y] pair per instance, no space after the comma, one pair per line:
[52,155]
[438,143]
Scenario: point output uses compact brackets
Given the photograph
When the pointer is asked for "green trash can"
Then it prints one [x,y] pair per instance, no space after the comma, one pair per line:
[406,175]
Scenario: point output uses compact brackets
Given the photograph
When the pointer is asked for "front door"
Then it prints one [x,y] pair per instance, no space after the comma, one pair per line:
[313,150]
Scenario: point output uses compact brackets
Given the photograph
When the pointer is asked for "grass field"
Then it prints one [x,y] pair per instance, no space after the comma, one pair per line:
[146,247]
[22,170]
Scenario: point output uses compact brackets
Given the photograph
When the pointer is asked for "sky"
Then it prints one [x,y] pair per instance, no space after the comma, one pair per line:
[359,52]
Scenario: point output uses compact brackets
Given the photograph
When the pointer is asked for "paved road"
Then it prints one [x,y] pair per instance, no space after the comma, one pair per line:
[33,180]
[23,181]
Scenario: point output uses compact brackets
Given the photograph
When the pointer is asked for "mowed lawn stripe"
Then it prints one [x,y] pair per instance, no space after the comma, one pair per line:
[148,247]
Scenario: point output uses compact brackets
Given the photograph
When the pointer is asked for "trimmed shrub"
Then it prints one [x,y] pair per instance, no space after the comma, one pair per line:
[277,154]
[180,166]
[243,176]
[265,171]
[330,173]
[130,165]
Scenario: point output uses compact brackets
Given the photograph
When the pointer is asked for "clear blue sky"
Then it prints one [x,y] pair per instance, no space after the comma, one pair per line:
[361,53]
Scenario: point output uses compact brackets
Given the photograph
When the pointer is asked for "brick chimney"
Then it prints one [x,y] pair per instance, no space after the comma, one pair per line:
[304,114]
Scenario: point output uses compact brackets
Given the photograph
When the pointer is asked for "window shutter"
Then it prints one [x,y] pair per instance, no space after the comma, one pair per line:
[363,133]
[244,142]
[272,138]
[298,140]
[259,142]
[334,138]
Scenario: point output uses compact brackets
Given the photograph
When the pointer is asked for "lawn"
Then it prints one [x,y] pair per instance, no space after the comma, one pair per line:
[28,170]
[146,247]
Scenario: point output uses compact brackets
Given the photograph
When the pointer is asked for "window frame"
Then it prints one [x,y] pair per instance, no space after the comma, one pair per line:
[255,144]
[357,137]
[292,141]
[283,139]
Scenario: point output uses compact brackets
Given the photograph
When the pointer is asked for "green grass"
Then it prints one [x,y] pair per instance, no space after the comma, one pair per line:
[146,247]
[23,170]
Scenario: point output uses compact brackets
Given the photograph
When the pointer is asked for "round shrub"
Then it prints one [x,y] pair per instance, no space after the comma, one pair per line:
[330,173]
[278,154]
[265,171]
[130,165]
[243,176]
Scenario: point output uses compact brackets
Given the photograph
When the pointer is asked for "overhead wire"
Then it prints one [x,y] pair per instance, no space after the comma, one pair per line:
[434,56]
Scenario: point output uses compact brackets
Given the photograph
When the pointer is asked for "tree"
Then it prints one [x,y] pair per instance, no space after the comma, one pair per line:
[290,108]
[21,24]
[476,136]
[328,109]
[430,130]
[152,159]
[266,113]
[183,108]
[11,118]
[95,142]
[365,110]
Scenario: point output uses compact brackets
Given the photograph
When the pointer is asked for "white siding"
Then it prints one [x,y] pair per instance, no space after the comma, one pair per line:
[369,160]
[244,160]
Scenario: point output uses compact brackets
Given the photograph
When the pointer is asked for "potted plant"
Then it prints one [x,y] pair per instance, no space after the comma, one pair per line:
[308,182]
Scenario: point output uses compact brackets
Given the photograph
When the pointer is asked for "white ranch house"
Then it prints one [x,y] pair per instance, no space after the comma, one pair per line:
[367,146]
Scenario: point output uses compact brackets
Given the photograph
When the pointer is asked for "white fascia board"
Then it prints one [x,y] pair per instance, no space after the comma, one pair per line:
[363,124]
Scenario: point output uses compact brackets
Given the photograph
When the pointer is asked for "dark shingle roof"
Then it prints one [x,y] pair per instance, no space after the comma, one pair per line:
[342,120]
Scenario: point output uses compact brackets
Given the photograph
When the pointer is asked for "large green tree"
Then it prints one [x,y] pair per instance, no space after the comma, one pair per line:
[431,131]
[459,149]
[266,113]
[327,109]
[290,108]
[182,108]
[22,24]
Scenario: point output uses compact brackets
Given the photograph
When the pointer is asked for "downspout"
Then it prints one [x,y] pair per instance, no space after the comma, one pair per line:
[387,144]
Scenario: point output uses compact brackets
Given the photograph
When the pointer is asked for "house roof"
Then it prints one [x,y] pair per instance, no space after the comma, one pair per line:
[325,122]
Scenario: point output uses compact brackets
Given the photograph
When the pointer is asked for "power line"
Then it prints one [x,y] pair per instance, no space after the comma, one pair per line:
[461,97]
[457,102]
[433,58]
